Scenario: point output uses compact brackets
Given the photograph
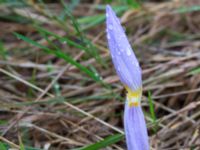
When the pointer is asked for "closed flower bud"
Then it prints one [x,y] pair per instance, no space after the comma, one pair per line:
[129,72]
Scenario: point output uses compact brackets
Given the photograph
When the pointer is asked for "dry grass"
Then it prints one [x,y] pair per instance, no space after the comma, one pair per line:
[60,107]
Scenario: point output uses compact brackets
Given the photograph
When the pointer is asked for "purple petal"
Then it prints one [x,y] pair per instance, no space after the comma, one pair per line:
[124,60]
[135,129]
[129,72]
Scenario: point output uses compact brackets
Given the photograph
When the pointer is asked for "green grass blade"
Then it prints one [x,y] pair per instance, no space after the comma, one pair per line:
[3,52]
[28,40]
[60,54]
[32,148]
[188,9]
[104,143]
[133,3]
[62,39]
[21,145]
[73,4]
[74,22]
[45,32]
[194,71]
[92,49]
[70,60]
[91,21]
[2,146]
[152,112]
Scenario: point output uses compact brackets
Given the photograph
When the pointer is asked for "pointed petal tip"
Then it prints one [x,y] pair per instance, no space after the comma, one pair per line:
[108,8]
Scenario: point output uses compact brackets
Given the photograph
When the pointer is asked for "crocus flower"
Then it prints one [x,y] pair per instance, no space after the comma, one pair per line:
[129,72]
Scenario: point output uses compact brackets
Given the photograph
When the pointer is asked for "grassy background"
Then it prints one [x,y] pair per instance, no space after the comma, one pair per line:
[58,88]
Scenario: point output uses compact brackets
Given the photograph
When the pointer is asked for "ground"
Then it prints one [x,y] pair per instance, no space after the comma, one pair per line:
[59,89]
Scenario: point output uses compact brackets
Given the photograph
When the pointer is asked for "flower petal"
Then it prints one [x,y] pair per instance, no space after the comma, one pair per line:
[129,72]
[135,129]
[124,60]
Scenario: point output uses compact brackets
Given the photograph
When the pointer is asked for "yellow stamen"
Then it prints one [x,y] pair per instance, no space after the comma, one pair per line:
[131,104]
[133,96]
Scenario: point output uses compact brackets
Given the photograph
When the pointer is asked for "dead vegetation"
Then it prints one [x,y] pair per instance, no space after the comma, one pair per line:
[47,102]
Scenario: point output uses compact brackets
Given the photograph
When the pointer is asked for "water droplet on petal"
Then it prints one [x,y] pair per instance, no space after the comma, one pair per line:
[128,51]
[110,27]
[108,36]
[107,15]
[118,68]
[122,36]
[137,64]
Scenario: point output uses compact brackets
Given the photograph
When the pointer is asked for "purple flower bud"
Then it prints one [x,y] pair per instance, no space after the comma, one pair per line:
[124,59]
[129,72]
